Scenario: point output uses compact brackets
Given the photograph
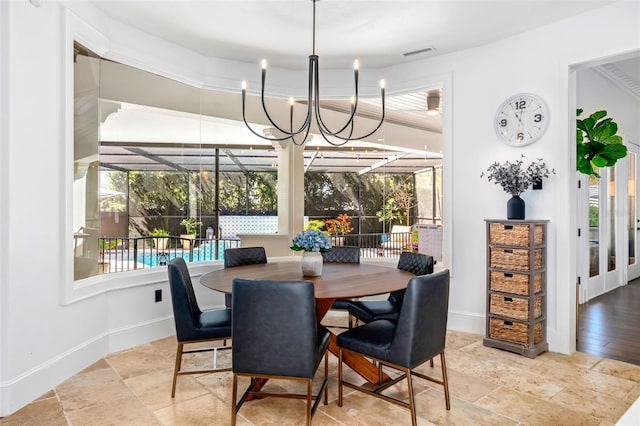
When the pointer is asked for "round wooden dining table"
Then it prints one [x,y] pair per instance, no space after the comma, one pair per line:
[338,281]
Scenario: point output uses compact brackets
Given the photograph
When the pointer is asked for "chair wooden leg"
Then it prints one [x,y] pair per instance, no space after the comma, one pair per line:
[339,377]
[326,377]
[445,382]
[177,368]
[412,402]
[234,397]
[309,402]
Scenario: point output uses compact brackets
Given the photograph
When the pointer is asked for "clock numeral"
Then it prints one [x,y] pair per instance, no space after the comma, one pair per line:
[521,104]
[537,118]
[520,136]
[503,122]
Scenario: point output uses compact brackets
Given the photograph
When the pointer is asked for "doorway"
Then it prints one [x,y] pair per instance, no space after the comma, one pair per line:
[608,207]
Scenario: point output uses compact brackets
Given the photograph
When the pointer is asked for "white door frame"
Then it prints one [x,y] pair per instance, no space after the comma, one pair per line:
[633,270]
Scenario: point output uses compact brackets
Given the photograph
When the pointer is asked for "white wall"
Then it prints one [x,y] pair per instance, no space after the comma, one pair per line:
[44,340]
[537,62]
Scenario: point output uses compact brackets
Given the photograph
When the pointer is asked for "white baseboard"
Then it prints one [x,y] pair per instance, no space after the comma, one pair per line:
[138,334]
[469,322]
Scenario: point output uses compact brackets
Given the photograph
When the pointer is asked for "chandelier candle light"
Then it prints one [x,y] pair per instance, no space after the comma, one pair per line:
[336,138]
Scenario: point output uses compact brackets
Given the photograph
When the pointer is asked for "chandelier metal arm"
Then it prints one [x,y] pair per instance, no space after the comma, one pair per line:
[253,131]
[325,130]
[258,134]
[321,124]
[334,143]
[266,112]
[304,139]
[379,123]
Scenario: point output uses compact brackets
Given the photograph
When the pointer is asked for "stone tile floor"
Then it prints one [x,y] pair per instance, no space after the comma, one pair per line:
[488,387]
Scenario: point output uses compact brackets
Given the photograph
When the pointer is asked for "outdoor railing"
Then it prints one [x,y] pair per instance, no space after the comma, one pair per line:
[376,244]
[127,254]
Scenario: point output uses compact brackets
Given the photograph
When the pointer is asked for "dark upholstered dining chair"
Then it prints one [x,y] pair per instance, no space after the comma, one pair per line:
[369,310]
[342,254]
[192,324]
[276,336]
[417,336]
[242,256]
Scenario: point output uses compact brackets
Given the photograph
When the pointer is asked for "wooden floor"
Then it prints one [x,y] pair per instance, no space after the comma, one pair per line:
[610,324]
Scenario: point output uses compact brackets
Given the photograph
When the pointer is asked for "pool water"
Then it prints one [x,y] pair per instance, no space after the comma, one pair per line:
[205,252]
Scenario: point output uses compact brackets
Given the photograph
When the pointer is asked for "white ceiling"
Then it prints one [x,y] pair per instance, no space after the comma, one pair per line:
[375,32]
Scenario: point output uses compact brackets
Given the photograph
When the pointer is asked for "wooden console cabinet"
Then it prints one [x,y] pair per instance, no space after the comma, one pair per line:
[517,286]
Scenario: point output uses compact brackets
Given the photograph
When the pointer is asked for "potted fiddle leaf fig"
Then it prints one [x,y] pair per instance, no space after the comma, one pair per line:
[598,144]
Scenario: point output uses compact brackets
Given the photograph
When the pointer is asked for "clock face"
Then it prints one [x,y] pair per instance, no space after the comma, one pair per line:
[521,119]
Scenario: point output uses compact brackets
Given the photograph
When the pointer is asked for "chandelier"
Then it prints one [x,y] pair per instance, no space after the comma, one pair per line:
[336,137]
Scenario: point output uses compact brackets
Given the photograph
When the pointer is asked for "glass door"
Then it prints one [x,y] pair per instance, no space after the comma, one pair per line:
[608,238]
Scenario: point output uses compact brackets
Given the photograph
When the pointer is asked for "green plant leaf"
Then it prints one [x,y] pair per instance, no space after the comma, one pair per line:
[579,111]
[613,140]
[583,151]
[600,161]
[594,148]
[583,163]
[598,115]
[584,166]
[604,130]
[589,124]
[581,126]
[615,151]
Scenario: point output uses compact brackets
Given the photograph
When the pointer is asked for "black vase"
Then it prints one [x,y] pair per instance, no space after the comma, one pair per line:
[515,208]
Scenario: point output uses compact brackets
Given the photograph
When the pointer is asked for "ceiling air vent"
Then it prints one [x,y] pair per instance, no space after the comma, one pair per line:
[416,52]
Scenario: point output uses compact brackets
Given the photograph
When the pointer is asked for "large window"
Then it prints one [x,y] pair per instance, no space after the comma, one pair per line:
[163,169]
[86,168]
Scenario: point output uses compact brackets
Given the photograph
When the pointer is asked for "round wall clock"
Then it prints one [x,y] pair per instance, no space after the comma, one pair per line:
[521,119]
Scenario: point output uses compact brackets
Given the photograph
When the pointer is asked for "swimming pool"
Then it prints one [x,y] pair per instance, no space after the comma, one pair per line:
[205,252]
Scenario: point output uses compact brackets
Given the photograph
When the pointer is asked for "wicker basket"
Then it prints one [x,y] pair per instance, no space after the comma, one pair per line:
[514,235]
[514,283]
[514,259]
[514,307]
[514,331]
